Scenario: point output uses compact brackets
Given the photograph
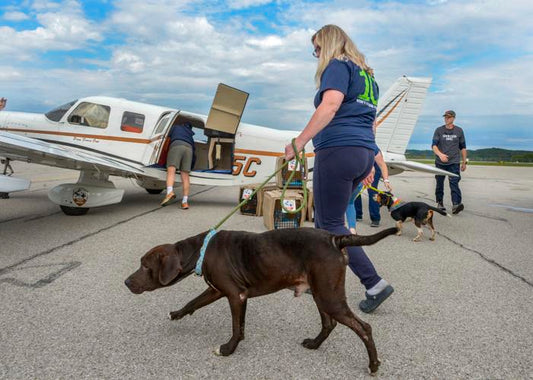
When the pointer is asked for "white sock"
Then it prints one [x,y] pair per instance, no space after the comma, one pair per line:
[185,198]
[378,288]
[170,189]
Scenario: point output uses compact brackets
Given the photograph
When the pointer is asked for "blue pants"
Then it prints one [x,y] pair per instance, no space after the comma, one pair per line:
[336,174]
[454,183]
[350,210]
[373,206]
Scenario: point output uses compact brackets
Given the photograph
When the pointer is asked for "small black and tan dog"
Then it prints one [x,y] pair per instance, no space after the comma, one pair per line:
[239,265]
[420,212]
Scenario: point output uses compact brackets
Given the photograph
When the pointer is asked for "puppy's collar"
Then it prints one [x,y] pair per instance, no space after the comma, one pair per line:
[210,234]
[396,203]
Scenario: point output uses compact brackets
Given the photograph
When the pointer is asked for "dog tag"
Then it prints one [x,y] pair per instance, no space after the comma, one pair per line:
[292,165]
[288,204]
[246,193]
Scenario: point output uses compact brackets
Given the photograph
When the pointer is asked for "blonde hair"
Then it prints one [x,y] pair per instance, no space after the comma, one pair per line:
[335,43]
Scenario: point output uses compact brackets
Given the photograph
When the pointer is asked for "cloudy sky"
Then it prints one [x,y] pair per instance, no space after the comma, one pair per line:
[174,53]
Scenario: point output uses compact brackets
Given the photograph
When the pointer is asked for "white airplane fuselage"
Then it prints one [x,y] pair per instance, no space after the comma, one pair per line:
[105,136]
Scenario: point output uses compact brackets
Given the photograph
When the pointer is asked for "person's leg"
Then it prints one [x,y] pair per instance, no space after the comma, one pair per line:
[439,188]
[186,182]
[185,168]
[333,179]
[171,177]
[358,207]
[454,183]
[373,206]
[350,213]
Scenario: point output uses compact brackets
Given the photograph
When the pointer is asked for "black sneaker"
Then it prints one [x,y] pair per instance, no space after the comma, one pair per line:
[440,206]
[458,208]
[372,302]
[374,223]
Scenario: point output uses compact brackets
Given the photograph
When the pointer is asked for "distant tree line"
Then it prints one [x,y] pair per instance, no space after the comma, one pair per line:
[490,154]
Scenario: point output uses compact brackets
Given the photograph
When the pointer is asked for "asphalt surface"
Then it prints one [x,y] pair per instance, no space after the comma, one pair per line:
[462,308]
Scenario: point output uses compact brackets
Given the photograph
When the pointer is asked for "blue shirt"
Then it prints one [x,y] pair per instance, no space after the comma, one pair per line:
[182,132]
[352,124]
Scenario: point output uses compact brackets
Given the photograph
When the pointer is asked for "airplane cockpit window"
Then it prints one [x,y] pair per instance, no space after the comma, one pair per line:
[90,115]
[132,122]
[57,113]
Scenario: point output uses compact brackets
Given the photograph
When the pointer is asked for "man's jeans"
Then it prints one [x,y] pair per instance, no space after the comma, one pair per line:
[373,206]
[454,183]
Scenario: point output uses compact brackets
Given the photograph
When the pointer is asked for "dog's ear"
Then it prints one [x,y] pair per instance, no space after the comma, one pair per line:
[169,265]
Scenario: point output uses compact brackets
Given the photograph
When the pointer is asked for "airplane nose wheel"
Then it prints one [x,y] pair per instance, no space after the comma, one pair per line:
[74,211]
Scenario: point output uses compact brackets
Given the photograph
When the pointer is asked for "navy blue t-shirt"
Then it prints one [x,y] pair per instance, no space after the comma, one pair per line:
[182,132]
[352,124]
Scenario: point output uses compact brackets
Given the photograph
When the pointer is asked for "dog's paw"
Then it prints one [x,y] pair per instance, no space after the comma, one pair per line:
[310,344]
[373,368]
[399,233]
[175,315]
[225,350]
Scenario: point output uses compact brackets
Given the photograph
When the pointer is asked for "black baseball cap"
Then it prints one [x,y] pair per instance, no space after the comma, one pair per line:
[449,113]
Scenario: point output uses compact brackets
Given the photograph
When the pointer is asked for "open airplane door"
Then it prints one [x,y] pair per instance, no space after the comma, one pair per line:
[221,126]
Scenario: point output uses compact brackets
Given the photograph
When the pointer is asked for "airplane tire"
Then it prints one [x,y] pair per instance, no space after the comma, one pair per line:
[74,211]
[154,191]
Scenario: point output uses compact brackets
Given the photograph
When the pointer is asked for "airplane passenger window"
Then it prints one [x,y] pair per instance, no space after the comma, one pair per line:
[57,113]
[90,115]
[132,122]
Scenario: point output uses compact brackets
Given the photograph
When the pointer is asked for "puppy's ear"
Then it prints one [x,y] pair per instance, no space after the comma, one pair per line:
[169,266]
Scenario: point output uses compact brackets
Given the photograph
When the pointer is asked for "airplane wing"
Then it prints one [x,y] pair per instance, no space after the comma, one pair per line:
[21,148]
[399,166]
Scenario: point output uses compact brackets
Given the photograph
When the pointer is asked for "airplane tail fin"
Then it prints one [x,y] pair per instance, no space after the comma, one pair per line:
[398,112]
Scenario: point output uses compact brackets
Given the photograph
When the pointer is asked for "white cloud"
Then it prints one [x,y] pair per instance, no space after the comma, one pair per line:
[15,16]
[240,4]
[176,52]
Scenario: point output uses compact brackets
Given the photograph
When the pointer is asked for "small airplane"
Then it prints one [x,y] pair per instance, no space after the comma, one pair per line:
[104,136]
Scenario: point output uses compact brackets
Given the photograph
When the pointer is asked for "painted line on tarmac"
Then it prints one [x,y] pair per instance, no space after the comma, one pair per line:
[72,265]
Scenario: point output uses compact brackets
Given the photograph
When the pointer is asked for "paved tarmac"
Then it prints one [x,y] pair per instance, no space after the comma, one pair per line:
[462,307]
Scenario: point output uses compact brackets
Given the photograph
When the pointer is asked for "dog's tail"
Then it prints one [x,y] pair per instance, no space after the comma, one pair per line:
[439,211]
[342,241]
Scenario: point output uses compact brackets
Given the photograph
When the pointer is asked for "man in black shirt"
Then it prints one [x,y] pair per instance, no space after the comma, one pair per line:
[449,147]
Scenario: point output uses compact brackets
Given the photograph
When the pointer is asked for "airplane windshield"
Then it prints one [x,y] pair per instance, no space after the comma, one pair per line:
[57,113]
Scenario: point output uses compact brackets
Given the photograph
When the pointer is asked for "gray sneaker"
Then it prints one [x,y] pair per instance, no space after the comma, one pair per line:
[458,208]
[440,206]
[374,223]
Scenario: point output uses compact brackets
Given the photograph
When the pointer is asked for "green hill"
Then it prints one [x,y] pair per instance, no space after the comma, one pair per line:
[488,154]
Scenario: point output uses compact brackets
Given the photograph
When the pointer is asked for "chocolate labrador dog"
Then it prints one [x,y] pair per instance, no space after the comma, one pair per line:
[239,265]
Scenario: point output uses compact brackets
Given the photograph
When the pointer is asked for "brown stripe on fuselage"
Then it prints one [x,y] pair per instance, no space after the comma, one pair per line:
[83,135]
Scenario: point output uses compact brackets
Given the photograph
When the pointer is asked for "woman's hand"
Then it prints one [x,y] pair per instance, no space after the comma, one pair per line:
[387,185]
[289,151]
[369,178]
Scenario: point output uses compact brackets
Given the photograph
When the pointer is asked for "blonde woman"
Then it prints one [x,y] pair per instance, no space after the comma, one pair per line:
[341,129]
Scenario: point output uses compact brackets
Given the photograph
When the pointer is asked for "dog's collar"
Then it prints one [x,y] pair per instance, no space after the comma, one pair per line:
[396,203]
[200,261]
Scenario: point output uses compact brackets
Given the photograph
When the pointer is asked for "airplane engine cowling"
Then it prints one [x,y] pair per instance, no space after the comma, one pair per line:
[84,195]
